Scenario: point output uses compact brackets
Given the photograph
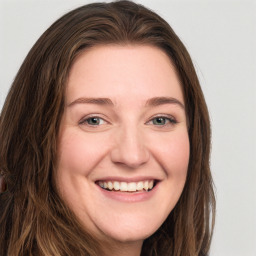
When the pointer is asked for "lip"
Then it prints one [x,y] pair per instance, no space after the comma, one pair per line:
[129,197]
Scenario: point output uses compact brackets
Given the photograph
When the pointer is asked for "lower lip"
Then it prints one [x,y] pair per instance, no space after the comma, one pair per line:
[133,197]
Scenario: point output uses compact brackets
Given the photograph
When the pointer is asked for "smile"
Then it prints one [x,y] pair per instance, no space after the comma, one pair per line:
[122,186]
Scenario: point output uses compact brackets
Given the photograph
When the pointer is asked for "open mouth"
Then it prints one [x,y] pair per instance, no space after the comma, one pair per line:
[130,187]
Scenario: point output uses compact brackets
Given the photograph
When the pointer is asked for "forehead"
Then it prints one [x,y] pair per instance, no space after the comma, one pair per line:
[120,72]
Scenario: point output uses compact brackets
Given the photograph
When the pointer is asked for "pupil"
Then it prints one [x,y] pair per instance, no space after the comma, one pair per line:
[94,120]
[159,120]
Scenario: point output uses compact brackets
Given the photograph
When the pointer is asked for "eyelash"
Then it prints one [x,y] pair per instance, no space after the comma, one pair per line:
[85,121]
[169,120]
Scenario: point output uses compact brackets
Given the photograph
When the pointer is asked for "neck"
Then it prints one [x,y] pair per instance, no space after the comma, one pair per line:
[123,249]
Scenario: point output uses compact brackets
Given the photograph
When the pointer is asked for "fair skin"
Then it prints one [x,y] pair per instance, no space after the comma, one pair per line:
[124,128]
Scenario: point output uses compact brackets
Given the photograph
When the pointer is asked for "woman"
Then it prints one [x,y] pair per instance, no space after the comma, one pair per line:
[105,141]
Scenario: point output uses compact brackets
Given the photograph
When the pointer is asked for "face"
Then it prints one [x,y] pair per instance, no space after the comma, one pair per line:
[123,142]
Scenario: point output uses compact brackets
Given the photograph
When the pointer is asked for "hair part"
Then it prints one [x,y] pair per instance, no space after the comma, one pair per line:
[34,220]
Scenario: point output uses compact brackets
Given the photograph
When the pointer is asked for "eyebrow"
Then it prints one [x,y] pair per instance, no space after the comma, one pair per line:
[153,102]
[157,101]
[97,101]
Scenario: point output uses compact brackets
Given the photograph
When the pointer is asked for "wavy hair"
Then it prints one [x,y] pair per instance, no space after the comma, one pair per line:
[34,220]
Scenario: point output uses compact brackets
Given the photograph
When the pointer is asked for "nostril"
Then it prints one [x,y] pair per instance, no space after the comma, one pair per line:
[131,160]
[130,151]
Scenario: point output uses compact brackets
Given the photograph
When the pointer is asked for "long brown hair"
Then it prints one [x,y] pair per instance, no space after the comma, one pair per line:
[34,220]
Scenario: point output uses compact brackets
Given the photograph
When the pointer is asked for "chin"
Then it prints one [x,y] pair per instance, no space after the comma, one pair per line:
[129,236]
[130,229]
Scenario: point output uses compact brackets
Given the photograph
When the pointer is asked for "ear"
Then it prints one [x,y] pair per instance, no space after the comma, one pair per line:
[2,184]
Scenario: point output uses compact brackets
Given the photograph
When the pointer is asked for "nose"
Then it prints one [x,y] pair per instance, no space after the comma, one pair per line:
[129,149]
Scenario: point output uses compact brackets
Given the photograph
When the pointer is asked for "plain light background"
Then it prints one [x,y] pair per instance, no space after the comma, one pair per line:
[221,38]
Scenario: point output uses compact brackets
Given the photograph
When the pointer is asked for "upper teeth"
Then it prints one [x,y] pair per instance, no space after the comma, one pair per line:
[127,186]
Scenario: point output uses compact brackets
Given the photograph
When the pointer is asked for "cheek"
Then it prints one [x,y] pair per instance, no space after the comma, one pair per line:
[179,152]
[173,153]
[79,153]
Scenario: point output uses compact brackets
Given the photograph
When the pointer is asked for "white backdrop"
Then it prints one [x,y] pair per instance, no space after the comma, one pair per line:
[221,38]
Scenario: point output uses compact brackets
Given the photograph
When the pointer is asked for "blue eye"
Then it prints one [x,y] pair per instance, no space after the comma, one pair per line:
[159,121]
[162,121]
[93,121]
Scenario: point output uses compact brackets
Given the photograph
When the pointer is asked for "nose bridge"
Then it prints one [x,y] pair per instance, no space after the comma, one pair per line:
[130,148]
